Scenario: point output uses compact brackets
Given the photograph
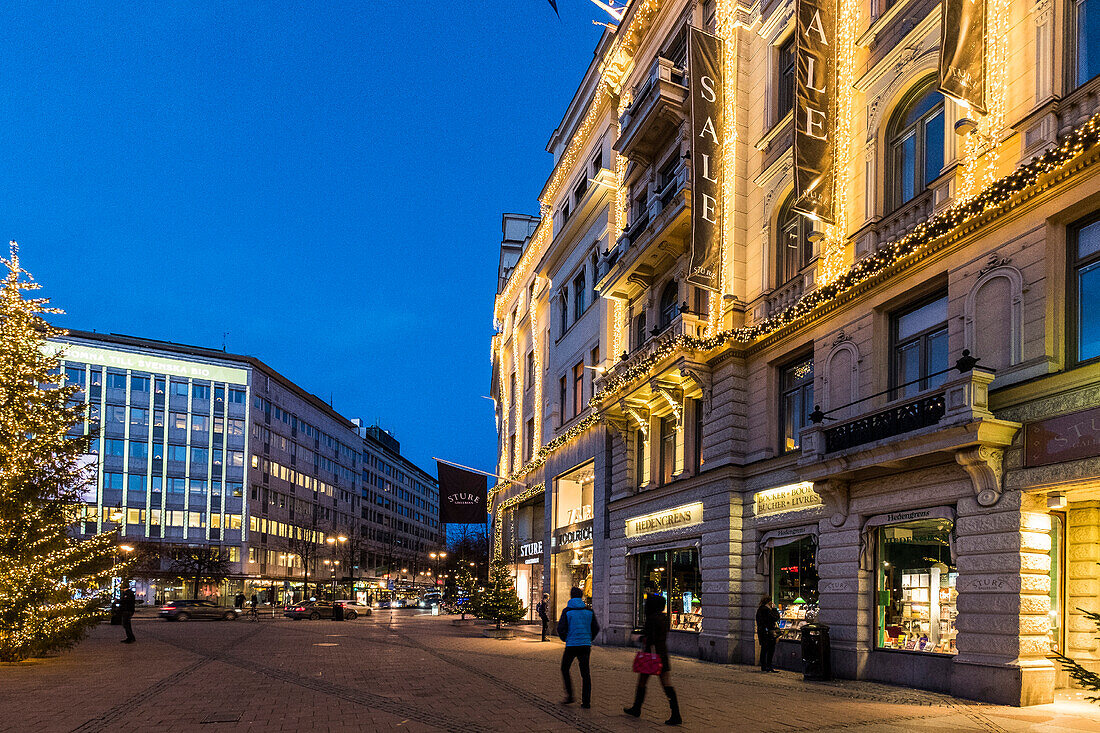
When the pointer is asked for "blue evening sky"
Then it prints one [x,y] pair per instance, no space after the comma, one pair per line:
[322,181]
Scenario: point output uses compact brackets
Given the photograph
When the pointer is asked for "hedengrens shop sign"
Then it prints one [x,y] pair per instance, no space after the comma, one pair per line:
[681,516]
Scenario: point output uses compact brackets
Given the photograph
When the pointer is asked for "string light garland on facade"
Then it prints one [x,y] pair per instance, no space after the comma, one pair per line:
[726,28]
[536,355]
[834,246]
[528,493]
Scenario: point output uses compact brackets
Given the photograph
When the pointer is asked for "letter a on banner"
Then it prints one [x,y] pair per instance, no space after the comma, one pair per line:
[815,108]
[705,80]
[962,52]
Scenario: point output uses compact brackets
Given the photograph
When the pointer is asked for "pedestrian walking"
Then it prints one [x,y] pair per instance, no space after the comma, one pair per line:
[767,630]
[126,607]
[655,639]
[577,627]
[255,600]
[542,609]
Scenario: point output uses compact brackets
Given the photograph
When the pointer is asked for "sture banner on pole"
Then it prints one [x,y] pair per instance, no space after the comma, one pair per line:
[461,495]
[962,52]
[815,108]
[705,82]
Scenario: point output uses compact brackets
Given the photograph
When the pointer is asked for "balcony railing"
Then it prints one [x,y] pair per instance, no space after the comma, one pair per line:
[893,421]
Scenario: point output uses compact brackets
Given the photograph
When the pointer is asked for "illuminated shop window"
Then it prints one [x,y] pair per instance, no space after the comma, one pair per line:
[794,584]
[915,605]
[673,574]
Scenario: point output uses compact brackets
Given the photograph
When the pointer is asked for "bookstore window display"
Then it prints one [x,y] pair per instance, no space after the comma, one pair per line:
[673,575]
[794,585]
[916,586]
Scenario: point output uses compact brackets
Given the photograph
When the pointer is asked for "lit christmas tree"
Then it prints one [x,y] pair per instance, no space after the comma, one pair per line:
[498,601]
[48,579]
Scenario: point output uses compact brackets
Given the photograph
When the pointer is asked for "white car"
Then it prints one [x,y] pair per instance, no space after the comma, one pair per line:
[362,609]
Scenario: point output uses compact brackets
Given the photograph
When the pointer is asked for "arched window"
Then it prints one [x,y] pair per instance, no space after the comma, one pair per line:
[915,144]
[793,250]
[669,307]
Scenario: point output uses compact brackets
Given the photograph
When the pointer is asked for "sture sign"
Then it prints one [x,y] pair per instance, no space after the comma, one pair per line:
[461,495]
[675,518]
[815,108]
[790,498]
[705,54]
[1063,438]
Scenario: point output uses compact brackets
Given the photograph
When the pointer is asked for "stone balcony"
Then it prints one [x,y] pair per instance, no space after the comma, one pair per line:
[657,110]
[951,422]
[654,350]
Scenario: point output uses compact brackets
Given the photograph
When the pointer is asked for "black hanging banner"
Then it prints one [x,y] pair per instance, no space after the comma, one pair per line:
[962,52]
[815,108]
[461,495]
[705,82]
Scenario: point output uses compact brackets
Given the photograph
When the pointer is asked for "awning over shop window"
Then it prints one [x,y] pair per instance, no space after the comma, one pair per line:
[658,547]
[778,538]
[868,537]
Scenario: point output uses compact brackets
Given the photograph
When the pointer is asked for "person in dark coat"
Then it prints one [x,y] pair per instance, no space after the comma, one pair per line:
[238,601]
[655,639]
[577,627]
[126,607]
[542,609]
[767,630]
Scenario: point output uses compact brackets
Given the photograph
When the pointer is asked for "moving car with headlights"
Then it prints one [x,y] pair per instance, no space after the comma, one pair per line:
[314,610]
[196,609]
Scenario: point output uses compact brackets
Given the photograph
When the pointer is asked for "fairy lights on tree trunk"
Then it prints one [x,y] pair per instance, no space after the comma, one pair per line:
[48,578]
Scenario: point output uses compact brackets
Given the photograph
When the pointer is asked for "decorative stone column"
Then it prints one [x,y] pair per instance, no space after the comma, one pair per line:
[1083,582]
[1002,554]
[844,592]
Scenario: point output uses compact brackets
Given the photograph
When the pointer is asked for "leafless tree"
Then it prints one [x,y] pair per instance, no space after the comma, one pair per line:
[199,562]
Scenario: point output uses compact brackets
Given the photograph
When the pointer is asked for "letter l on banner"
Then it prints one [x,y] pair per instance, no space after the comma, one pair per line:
[815,108]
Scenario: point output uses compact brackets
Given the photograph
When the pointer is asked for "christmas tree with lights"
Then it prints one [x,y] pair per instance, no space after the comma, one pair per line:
[48,579]
[499,601]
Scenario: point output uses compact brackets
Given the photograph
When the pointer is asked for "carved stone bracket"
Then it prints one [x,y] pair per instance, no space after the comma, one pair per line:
[995,261]
[705,383]
[836,495]
[985,466]
[619,426]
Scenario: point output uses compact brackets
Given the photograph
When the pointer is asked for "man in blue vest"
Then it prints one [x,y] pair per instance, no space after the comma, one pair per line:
[577,627]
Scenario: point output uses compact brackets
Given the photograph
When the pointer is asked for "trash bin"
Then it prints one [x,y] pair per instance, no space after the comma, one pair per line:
[116,613]
[337,611]
[816,656]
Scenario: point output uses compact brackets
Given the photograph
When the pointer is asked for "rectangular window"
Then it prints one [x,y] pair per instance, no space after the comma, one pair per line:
[178,420]
[235,428]
[594,362]
[200,391]
[530,369]
[529,440]
[1084,287]
[563,398]
[158,385]
[158,418]
[197,486]
[135,484]
[638,331]
[235,458]
[116,416]
[139,384]
[579,290]
[668,448]
[794,584]
[673,575]
[139,418]
[112,481]
[563,313]
[236,396]
[580,189]
[796,401]
[1057,565]
[116,381]
[702,302]
[179,389]
[139,450]
[112,447]
[578,388]
[697,459]
[74,375]
[639,459]
[135,516]
[200,423]
[195,519]
[199,456]
[920,347]
[785,80]
[176,485]
[177,453]
[1086,16]
[915,603]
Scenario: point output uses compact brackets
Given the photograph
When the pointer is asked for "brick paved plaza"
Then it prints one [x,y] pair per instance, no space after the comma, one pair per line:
[420,673]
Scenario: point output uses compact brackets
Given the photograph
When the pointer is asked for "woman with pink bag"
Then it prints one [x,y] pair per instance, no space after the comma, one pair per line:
[646,662]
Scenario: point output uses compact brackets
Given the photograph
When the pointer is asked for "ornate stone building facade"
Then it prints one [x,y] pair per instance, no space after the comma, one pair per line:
[818,431]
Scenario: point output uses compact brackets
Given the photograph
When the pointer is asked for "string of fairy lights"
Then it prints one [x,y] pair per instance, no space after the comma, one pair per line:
[512,501]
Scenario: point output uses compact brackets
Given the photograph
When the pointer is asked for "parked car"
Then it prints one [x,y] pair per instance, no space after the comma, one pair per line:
[196,609]
[354,607]
[314,610]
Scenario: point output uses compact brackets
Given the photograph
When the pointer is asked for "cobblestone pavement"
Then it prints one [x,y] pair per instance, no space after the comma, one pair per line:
[420,673]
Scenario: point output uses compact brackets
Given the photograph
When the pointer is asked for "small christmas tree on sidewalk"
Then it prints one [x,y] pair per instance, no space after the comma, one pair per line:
[48,579]
[466,585]
[1085,678]
[499,601]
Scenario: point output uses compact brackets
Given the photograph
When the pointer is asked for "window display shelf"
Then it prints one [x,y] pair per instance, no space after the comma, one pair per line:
[792,617]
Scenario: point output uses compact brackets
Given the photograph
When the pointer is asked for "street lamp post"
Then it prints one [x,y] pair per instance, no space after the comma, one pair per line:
[334,543]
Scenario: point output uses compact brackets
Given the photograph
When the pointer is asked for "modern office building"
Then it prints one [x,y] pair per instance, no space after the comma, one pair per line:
[197,447]
[815,429]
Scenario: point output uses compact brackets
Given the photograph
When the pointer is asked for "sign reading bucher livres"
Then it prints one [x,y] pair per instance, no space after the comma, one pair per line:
[962,51]
[815,108]
[461,496]
[705,81]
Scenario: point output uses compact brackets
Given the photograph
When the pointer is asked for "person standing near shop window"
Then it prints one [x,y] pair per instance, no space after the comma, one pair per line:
[655,637]
[540,609]
[127,605]
[767,630]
